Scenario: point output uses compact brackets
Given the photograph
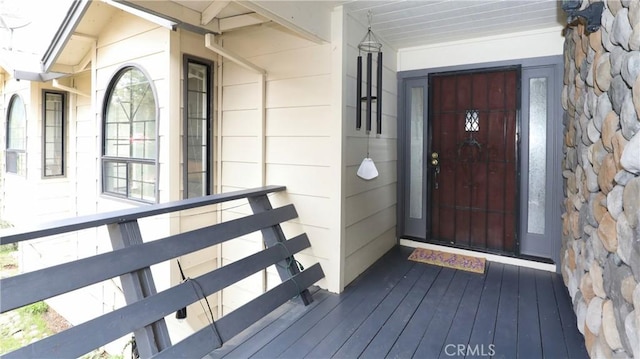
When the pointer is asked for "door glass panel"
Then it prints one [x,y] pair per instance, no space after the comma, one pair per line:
[537,154]
[416,162]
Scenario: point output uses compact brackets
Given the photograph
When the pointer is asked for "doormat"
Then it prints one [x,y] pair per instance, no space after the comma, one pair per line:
[449,260]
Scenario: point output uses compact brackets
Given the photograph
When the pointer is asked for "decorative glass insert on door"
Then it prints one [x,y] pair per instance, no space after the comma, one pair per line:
[537,154]
[472,121]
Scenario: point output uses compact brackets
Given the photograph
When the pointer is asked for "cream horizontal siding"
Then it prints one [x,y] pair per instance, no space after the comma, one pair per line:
[299,121]
[130,40]
[370,206]
[241,123]
[302,151]
[18,190]
[127,40]
[297,139]
[191,44]
[52,194]
[83,148]
[3,135]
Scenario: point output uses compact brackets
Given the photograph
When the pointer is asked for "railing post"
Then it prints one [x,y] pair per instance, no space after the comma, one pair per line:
[138,285]
[274,235]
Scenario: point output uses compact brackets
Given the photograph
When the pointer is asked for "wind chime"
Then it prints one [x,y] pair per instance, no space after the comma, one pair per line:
[369,45]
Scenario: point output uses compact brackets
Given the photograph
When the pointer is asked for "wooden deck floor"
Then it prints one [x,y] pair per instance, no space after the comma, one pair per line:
[403,309]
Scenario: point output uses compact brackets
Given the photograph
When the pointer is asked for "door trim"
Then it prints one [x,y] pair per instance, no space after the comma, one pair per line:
[555,61]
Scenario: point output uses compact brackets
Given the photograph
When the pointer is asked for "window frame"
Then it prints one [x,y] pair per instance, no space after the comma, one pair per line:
[63,95]
[16,151]
[187,60]
[128,161]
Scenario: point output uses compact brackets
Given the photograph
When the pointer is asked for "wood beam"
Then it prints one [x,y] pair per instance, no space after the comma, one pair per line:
[212,11]
[61,68]
[84,62]
[209,44]
[57,85]
[83,37]
[234,22]
[174,12]
[309,19]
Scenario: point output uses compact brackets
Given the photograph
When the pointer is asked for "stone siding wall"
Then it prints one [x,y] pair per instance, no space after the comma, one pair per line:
[601,231]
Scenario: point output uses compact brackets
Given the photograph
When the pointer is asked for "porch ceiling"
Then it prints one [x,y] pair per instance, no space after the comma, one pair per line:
[401,24]
[424,22]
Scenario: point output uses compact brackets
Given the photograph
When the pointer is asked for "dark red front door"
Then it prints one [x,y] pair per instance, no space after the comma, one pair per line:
[472,159]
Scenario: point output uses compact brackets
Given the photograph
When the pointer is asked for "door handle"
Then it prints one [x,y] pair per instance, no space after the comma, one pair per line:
[435,163]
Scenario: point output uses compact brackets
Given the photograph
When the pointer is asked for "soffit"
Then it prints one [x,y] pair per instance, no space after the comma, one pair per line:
[96,18]
[401,24]
[414,23]
[409,23]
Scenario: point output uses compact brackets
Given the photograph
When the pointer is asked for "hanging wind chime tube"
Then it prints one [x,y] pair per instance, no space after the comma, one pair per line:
[359,94]
[369,85]
[369,45]
[379,95]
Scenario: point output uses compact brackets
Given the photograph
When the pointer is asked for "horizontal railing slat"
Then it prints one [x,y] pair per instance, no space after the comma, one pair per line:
[13,235]
[85,337]
[201,343]
[34,286]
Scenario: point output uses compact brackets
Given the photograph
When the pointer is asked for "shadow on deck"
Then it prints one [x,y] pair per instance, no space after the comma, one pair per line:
[402,309]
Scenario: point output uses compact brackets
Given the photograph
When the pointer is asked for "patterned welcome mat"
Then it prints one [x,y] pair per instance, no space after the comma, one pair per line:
[450,260]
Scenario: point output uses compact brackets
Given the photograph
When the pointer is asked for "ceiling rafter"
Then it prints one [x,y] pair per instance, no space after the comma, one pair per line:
[84,62]
[83,37]
[234,22]
[211,45]
[212,11]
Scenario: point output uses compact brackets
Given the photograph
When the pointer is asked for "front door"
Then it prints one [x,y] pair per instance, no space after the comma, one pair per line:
[472,159]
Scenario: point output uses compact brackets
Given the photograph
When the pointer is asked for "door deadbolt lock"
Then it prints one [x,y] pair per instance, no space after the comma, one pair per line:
[434,162]
[434,155]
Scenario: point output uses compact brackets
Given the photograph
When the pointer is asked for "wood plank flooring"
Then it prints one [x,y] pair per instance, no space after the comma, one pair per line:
[403,309]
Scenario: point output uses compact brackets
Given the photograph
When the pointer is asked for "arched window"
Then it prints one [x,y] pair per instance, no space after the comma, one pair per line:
[16,136]
[129,142]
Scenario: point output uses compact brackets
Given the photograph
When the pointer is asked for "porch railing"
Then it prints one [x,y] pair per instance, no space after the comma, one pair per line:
[145,308]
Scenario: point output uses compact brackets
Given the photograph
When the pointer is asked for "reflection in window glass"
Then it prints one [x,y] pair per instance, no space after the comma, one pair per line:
[416,156]
[537,154]
[129,161]
[197,122]
[16,137]
[53,121]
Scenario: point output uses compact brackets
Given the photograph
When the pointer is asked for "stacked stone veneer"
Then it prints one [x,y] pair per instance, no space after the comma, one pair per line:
[601,231]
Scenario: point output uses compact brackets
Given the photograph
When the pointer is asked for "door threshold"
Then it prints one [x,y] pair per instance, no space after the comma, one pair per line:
[488,256]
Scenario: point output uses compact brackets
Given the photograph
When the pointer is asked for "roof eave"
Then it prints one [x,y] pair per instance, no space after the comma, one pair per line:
[63,34]
[37,76]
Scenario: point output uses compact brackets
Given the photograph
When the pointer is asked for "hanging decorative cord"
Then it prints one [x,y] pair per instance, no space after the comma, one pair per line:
[201,295]
[291,261]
